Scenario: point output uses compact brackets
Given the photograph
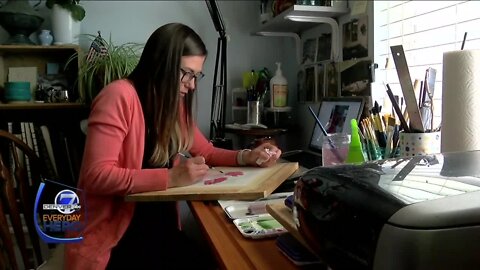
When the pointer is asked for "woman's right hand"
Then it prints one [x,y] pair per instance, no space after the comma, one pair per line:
[187,172]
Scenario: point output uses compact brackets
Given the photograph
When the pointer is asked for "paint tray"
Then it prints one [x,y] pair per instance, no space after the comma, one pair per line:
[241,209]
[260,226]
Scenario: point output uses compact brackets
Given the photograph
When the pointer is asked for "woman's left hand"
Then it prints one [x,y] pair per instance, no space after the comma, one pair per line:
[264,155]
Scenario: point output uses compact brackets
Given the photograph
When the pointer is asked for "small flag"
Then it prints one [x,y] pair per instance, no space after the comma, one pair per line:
[97,49]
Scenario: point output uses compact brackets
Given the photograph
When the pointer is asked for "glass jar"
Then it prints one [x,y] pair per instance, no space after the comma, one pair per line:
[335,148]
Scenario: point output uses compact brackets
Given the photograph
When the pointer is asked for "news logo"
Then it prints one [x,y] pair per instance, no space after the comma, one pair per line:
[58,213]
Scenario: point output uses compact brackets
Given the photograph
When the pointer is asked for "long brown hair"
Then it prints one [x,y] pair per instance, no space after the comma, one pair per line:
[157,81]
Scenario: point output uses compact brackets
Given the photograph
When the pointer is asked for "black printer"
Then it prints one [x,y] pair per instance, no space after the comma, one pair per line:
[421,212]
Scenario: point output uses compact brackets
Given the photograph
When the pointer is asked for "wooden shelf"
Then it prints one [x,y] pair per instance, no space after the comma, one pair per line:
[257,132]
[41,106]
[36,48]
[282,23]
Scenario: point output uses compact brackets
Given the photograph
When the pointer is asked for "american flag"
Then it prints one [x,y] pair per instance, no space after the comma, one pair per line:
[98,49]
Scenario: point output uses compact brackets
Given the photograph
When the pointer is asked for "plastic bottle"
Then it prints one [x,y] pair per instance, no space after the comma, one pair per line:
[278,89]
[355,152]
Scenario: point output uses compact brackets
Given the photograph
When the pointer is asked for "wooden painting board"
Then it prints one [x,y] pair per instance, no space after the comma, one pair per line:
[254,183]
[284,216]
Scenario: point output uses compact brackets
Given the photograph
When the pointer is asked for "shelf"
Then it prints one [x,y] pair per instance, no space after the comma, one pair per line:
[257,132]
[299,18]
[43,113]
[36,48]
[283,23]
[40,106]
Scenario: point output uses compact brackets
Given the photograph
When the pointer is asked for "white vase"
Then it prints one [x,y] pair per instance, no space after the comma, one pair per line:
[65,29]
[45,37]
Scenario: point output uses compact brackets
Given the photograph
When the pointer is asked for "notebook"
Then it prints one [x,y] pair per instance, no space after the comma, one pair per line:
[312,157]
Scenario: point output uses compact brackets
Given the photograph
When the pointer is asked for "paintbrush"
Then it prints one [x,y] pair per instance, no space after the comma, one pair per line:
[324,131]
[211,167]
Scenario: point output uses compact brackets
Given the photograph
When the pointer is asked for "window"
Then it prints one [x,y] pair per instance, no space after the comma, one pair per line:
[426,29]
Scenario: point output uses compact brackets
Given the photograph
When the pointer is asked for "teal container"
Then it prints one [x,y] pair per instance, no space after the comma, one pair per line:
[17,91]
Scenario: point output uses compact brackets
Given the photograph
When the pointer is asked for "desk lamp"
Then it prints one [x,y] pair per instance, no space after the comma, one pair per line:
[219,98]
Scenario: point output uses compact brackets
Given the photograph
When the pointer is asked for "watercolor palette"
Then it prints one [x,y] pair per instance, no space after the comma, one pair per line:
[260,226]
[242,209]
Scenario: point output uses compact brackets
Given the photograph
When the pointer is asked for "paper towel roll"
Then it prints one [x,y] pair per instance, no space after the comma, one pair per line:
[461,101]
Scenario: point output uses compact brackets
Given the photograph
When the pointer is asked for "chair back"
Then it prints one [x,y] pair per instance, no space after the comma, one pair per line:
[18,186]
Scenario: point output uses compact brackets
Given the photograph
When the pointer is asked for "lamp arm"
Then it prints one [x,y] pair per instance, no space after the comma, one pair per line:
[216,16]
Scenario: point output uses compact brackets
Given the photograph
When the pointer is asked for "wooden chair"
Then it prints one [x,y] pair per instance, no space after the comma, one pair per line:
[17,197]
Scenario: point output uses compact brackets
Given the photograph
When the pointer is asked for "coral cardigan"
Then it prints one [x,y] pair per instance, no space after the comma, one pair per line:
[112,168]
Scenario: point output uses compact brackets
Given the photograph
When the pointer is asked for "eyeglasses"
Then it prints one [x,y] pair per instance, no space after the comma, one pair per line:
[187,76]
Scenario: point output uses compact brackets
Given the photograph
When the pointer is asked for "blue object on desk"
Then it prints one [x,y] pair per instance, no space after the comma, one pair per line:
[17,91]
[295,251]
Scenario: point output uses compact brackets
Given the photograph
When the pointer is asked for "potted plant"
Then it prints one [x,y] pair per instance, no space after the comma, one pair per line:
[111,62]
[72,6]
[66,17]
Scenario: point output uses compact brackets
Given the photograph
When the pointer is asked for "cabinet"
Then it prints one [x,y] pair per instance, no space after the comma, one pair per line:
[61,119]
[299,18]
[44,59]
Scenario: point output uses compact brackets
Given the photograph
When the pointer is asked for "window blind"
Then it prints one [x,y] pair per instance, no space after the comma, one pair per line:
[425,29]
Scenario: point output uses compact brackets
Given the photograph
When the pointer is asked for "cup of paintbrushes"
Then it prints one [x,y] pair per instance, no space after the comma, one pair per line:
[414,144]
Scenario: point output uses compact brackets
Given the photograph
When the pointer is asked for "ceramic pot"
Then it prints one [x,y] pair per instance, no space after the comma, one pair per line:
[45,37]
[19,19]
[65,29]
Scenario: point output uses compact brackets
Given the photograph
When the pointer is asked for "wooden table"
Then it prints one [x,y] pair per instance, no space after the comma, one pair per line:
[233,251]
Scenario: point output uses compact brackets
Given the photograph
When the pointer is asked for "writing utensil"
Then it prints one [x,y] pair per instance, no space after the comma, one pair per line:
[390,130]
[403,123]
[187,157]
[464,39]
[324,131]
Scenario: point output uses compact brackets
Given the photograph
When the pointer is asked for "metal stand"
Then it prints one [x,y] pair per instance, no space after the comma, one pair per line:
[219,99]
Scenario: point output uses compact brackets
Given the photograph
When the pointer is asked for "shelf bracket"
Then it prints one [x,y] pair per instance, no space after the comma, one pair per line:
[295,36]
[335,30]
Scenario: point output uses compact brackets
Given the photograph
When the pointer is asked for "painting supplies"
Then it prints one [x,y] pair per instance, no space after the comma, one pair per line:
[355,152]
[407,88]
[463,41]
[261,226]
[390,131]
[398,111]
[187,157]
[235,209]
[426,99]
[324,131]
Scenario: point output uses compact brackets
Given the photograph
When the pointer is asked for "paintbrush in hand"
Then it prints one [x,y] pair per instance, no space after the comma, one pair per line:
[211,167]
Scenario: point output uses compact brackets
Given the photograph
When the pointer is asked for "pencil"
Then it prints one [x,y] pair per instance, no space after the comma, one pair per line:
[187,157]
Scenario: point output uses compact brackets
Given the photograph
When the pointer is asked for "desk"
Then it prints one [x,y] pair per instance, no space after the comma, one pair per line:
[233,251]
[255,133]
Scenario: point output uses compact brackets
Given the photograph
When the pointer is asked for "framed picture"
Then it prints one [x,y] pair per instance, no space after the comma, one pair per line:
[356,79]
[335,115]
[310,84]
[309,51]
[324,47]
[331,81]
[355,38]
[320,82]
[301,93]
